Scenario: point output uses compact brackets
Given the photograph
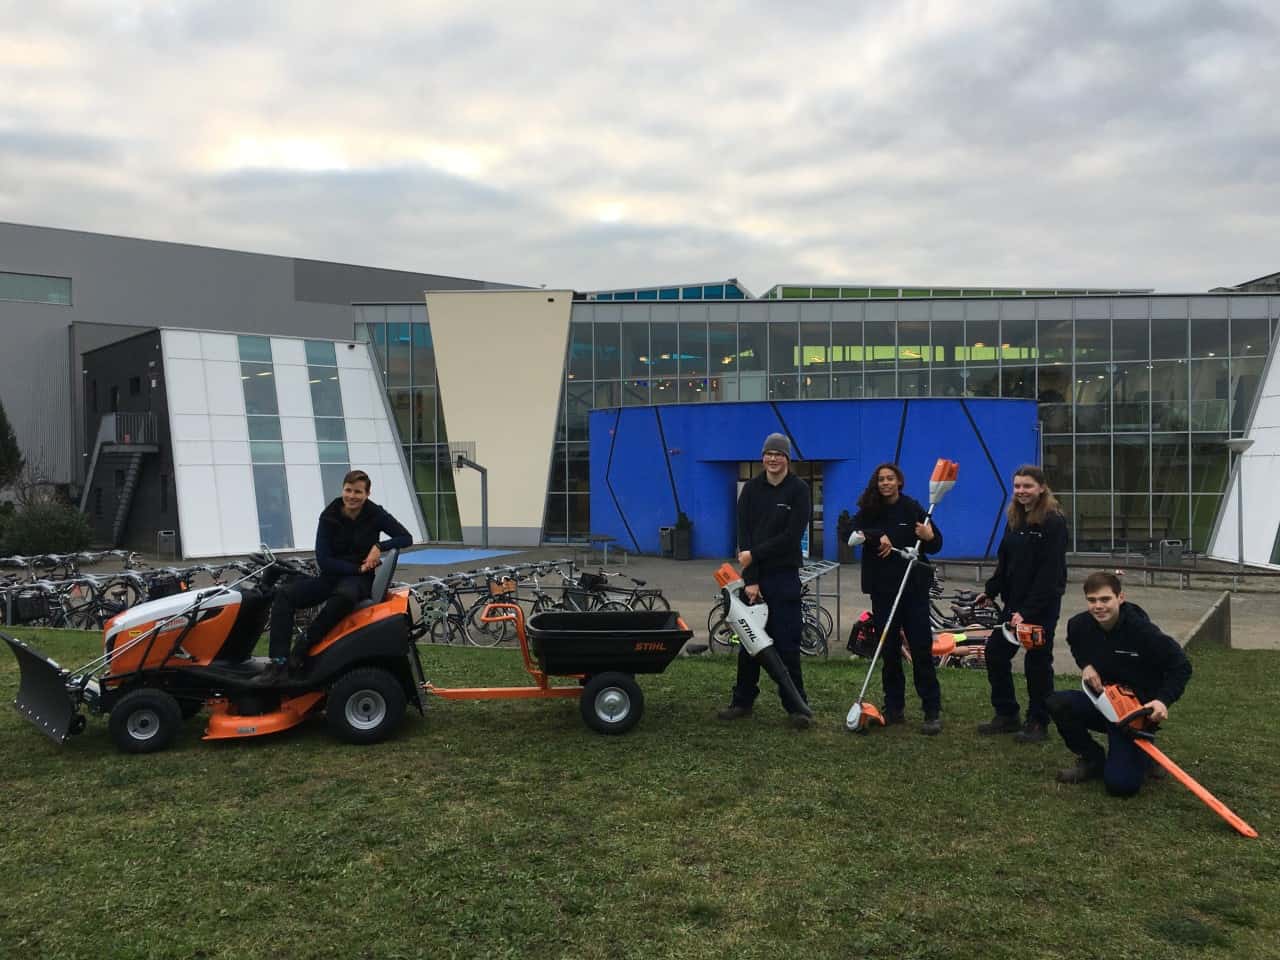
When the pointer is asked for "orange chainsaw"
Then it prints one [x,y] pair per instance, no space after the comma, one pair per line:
[1119,705]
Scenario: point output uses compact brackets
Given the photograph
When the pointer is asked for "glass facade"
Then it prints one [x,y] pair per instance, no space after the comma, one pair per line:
[31,288]
[1136,393]
[402,350]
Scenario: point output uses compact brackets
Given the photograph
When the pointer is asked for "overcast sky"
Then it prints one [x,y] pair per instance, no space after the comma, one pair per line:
[597,145]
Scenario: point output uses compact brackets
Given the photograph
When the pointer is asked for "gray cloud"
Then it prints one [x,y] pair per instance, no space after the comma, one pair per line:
[1087,143]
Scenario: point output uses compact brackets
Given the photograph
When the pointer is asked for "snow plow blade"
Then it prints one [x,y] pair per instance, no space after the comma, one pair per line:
[42,691]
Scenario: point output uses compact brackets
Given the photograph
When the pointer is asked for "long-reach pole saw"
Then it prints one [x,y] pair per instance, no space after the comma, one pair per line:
[863,714]
[1119,705]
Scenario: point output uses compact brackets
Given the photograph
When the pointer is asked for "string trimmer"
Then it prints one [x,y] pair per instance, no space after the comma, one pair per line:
[1119,705]
[863,714]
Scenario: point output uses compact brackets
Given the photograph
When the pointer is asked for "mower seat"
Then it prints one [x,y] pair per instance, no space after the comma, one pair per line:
[381,580]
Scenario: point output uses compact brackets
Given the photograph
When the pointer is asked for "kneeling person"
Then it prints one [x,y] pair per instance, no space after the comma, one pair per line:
[347,552]
[1115,642]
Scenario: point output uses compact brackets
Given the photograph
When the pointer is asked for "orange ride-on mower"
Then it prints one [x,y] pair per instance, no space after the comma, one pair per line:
[165,660]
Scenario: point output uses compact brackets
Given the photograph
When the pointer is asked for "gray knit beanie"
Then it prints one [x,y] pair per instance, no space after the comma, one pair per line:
[777,442]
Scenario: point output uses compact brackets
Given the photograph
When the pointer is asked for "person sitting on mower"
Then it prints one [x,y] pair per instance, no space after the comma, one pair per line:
[347,552]
[1115,642]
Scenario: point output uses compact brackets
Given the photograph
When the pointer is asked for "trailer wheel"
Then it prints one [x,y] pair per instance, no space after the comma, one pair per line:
[611,702]
[144,721]
[365,706]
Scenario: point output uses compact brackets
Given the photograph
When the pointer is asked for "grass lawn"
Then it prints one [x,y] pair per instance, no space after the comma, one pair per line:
[510,830]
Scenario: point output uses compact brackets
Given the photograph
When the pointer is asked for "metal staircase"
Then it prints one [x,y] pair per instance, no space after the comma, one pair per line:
[125,500]
[134,435]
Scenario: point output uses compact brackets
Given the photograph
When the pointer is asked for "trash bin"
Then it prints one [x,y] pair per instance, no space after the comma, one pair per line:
[667,541]
[166,544]
[1170,553]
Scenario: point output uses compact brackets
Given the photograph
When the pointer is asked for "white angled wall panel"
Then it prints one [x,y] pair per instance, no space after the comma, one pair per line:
[220,346]
[306,500]
[223,386]
[293,392]
[1261,468]
[184,386]
[214,461]
[198,510]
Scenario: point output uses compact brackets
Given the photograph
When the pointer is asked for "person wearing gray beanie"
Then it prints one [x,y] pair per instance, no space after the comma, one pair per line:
[773,515]
[778,443]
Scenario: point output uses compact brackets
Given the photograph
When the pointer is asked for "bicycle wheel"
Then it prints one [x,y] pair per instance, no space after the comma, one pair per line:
[821,616]
[813,642]
[450,624]
[717,612]
[481,634]
[722,638]
[124,592]
[611,606]
[653,600]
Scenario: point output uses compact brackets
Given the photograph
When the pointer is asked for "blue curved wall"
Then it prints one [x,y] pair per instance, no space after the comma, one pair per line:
[648,463]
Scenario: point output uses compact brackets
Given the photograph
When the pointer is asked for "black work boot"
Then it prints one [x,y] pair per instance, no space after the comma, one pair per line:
[733,712]
[892,717]
[1086,768]
[932,725]
[1032,732]
[1000,723]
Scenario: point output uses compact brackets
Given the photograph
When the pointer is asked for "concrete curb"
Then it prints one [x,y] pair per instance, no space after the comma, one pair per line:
[1215,625]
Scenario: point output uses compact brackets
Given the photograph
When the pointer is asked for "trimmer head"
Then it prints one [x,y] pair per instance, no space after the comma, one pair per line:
[862,717]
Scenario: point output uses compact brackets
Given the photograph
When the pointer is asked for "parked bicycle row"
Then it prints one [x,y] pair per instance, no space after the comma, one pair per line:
[453,606]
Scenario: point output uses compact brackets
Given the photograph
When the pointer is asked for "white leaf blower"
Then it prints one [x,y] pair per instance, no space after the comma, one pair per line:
[748,621]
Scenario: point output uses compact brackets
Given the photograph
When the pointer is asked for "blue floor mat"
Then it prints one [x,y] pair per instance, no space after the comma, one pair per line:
[450,557]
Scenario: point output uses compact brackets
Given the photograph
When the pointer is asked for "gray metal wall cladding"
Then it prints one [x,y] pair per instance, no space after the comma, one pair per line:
[146,283]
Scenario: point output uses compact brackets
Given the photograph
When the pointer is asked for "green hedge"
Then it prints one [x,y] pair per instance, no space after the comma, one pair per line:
[45,528]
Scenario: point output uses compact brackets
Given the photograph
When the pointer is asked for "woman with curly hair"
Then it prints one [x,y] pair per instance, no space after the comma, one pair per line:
[888,518]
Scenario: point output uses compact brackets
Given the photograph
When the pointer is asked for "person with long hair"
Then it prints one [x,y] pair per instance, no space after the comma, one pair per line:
[1030,577]
[888,518]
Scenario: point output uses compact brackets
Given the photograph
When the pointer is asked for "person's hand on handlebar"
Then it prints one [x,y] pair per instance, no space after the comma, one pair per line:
[1015,619]
[752,592]
[924,531]
[886,546]
[1159,712]
[371,560]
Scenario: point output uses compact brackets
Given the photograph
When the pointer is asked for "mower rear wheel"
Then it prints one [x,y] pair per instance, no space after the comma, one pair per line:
[611,702]
[365,706]
[144,721]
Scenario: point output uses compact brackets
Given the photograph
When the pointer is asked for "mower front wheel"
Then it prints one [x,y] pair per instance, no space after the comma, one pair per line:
[144,721]
[611,702]
[365,706]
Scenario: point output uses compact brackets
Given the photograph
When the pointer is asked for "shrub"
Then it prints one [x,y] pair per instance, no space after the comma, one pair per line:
[46,528]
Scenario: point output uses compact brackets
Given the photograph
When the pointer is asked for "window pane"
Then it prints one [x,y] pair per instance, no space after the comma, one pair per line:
[948,341]
[662,343]
[579,507]
[1169,395]
[579,461]
[272,494]
[1210,463]
[815,351]
[333,453]
[401,404]
[1168,337]
[784,341]
[881,384]
[331,475]
[982,340]
[846,347]
[1246,376]
[1093,398]
[664,391]
[1249,336]
[1208,337]
[693,349]
[1170,517]
[580,350]
[578,396]
[424,414]
[1170,457]
[558,481]
[1131,395]
[691,389]
[1209,387]
[264,428]
[1093,463]
[815,385]
[1058,463]
[635,393]
[982,381]
[1018,339]
[913,342]
[254,348]
[608,394]
[424,355]
[752,350]
[1133,522]
[1093,522]
[947,383]
[785,387]
[399,341]
[846,385]
[266,451]
[326,395]
[259,382]
[1093,340]
[635,351]
[1129,339]
[722,351]
[1018,382]
[320,353]
[1055,337]
[881,344]
[1132,464]
[555,523]
[1204,510]
[913,383]
[32,288]
[608,356]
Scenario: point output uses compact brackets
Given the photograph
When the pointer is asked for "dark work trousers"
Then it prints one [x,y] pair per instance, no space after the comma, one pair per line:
[1038,667]
[780,589]
[1125,766]
[912,618]
[338,594]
